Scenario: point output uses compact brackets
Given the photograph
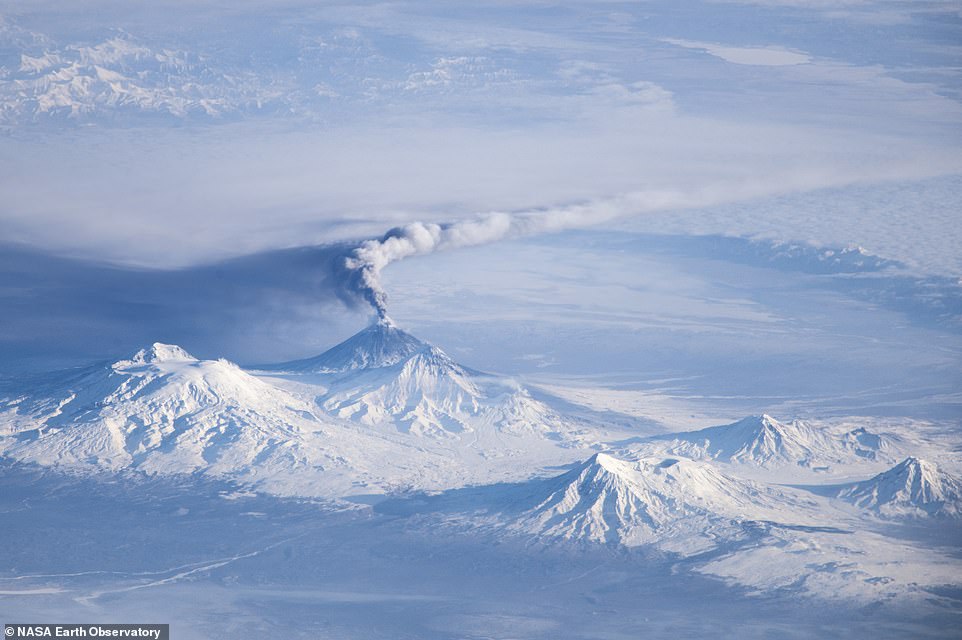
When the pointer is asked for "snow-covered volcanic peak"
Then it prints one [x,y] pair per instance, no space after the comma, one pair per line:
[912,488]
[156,353]
[683,505]
[427,392]
[163,411]
[764,441]
[384,375]
[380,345]
[866,444]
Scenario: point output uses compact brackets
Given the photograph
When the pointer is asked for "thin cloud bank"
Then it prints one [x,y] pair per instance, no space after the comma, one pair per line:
[325,130]
[188,197]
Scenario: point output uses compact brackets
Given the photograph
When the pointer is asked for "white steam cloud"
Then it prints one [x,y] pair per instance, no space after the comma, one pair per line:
[419,238]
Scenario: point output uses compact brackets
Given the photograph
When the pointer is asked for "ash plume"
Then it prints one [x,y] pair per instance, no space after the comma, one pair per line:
[366,262]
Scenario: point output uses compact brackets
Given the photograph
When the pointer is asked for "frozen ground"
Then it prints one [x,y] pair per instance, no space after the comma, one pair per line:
[683,329]
[215,565]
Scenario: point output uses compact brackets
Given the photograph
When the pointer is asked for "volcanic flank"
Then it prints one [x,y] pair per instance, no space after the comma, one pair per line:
[763,441]
[384,375]
[162,411]
[913,488]
[381,344]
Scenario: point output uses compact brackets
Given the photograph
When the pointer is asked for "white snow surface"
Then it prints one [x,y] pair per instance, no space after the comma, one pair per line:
[913,488]
[684,506]
[385,376]
[387,414]
[163,411]
[763,441]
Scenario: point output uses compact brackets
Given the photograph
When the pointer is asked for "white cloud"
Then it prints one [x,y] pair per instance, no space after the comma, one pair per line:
[177,197]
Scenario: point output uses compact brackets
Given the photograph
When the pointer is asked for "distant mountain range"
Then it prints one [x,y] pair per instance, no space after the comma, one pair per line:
[683,505]
[386,410]
[114,77]
[765,442]
[120,76]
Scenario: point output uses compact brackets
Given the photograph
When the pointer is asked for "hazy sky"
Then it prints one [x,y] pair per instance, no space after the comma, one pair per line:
[170,133]
[142,141]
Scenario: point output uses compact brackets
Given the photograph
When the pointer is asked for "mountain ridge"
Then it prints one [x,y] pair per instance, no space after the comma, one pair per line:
[161,411]
[765,442]
[674,504]
[913,488]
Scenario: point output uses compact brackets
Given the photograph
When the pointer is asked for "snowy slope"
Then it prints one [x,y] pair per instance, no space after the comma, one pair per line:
[911,489]
[382,344]
[422,391]
[678,505]
[163,411]
[763,537]
[384,375]
[162,407]
[766,442]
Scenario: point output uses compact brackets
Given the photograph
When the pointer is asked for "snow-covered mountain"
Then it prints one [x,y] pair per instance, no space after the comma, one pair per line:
[913,488]
[164,411]
[384,375]
[680,505]
[426,392]
[381,344]
[111,76]
[766,442]
[120,76]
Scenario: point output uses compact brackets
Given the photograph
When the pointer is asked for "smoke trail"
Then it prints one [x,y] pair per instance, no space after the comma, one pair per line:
[417,238]
[365,263]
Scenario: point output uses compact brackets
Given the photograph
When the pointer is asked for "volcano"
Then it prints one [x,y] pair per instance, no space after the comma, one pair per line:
[763,441]
[911,489]
[381,344]
[163,411]
[386,376]
[680,505]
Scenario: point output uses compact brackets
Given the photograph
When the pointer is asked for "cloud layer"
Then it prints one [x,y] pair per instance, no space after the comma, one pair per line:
[160,137]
